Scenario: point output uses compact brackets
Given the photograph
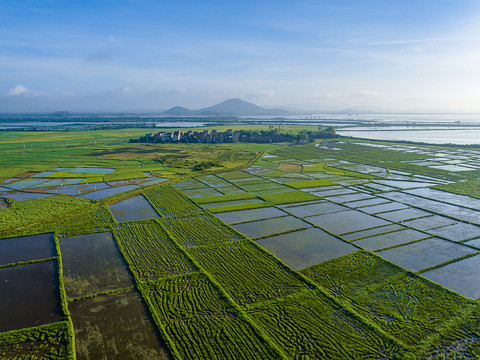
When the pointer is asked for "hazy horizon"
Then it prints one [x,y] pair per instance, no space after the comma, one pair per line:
[306,55]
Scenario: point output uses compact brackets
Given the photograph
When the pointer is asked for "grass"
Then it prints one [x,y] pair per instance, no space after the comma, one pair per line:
[201,322]
[247,272]
[169,201]
[469,188]
[37,212]
[43,342]
[149,251]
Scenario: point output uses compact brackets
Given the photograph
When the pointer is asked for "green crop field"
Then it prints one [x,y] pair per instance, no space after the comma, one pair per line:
[170,202]
[200,322]
[150,252]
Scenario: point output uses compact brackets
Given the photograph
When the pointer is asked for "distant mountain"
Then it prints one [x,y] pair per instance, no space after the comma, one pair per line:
[236,107]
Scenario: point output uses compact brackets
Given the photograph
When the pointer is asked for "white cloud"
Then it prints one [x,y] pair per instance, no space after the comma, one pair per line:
[17,90]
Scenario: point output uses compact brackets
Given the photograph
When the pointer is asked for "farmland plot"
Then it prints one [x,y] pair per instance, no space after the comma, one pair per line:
[102,194]
[315,209]
[268,227]
[311,326]
[405,306]
[168,201]
[29,296]
[115,326]
[390,239]
[92,264]
[27,248]
[43,342]
[305,248]
[201,323]
[135,208]
[235,217]
[246,272]
[200,230]
[371,232]
[149,251]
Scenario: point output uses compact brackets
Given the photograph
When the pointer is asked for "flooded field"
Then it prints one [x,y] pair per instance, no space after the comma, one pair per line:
[92,264]
[370,232]
[390,239]
[457,232]
[87,170]
[102,194]
[462,276]
[426,253]
[27,248]
[349,221]
[304,248]
[75,189]
[231,203]
[195,193]
[116,326]
[31,295]
[315,209]
[136,208]
[235,217]
[22,195]
[267,227]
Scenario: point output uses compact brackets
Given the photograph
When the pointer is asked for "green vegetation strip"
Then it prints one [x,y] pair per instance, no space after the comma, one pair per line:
[220,198]
[310,183]
[169,201]
[289,197]
[43,342]
[257,205]
[469,188]
[149,251]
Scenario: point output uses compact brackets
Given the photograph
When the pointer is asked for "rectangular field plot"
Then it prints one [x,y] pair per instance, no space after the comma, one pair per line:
[135,208]
[76,189]
[447,197]
[340,199]
[334,192]
[195,193]
[27,248]
[390,239]
[43,342]
[346,222]
[248,273]
[461,276]
[457,232]
[226,190]
[311,326]
[117,326]
[214,181]
[23,196]
[371,232]
[170,202]
[150,252]
[190,184]
[453,211]
[383,208]
[29,296]
[305,248]
[231,175]
[407,307]
[404,214]
[268,227]
[235,217]
[425,253]
[102,194]
[200,230]
[231,203]
[315,209]
[369,202]
[201,323]
[92,264]
[430,222]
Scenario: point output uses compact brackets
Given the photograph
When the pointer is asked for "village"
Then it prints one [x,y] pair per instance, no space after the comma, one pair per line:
[273,135]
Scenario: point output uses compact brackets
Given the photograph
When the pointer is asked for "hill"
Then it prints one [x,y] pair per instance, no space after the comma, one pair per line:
[236,107]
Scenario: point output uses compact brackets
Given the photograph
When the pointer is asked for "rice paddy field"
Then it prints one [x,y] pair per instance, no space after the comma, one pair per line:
[340,249]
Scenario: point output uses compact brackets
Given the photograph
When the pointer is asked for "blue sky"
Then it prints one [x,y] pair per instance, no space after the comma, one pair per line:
[319,55]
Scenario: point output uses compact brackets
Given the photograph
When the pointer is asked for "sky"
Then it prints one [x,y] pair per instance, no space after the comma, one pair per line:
[316,55]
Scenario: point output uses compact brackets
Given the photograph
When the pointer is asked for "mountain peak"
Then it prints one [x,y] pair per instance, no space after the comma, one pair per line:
[234,106]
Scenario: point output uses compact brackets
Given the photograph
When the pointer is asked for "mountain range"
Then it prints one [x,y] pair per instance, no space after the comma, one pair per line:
[237,107]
